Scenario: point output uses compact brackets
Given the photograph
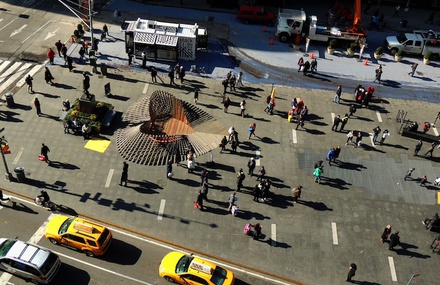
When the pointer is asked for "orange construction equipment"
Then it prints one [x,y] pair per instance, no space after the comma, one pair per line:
[366,62]
[264,29]
[312,56]
[271,42]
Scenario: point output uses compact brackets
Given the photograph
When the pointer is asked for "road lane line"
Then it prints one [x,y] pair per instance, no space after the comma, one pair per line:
[335,234]
[257,157]
[392,268]
[294,138]
[273,233]
[379,117]
[145,88]
[109,178]
[17,157]
[161,209]
[36,31]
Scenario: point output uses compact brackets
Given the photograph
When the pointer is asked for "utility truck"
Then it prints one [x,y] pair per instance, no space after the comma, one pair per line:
[418,43]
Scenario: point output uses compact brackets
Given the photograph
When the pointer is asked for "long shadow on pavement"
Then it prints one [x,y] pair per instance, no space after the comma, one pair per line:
[318,206]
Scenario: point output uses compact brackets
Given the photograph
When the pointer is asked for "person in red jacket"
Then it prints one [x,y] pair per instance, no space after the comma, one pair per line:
[50,55]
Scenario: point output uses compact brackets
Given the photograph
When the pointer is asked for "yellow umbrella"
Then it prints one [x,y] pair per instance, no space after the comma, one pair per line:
[273,93]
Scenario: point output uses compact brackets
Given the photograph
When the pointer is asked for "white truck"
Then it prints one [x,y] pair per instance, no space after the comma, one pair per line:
[418,43]
[291,22]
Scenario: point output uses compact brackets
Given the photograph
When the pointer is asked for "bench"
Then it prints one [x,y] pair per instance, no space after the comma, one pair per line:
[419,135]
[108,118]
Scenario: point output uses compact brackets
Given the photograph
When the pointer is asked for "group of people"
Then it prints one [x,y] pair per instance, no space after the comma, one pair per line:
[307,67]
[232,81]
[363,96]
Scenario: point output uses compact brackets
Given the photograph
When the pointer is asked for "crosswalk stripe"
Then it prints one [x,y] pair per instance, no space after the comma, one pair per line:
[15,76]
[9,71]
[33,71]
[3,66]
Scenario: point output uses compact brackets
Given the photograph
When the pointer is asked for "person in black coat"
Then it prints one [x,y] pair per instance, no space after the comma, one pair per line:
[394,240]
[351,272]
[169,169]
[385,234]
[200,200]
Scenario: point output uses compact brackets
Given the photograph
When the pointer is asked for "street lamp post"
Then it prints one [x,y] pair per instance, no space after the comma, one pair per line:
[412,277]
[3,142]
[91,23]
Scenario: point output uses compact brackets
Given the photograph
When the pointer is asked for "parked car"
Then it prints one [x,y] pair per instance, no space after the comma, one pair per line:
[31,262]
[76,233]
[254,14]
[180,268]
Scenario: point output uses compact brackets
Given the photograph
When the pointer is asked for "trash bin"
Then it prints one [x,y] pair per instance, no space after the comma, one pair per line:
[403,23]
[10,99]
[104,69]
[19,171]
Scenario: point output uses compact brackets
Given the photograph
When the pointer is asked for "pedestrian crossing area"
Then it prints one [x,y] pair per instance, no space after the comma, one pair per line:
[13,74]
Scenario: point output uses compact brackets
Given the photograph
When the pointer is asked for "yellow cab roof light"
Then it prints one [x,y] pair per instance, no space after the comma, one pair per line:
[83,227]
[201,267]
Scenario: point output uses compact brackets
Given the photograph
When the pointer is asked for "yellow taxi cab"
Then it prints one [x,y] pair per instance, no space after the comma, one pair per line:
[180,268]
[80,234]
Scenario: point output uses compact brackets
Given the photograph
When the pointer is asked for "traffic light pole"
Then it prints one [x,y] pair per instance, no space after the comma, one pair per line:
[8,175]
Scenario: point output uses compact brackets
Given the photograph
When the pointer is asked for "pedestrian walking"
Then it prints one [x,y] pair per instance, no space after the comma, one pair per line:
[116,16]
[203,176]
[45,152]
[29,83]
[431,149]
[171,76]
[344,121]
[396,11]
[331,156]
[182,74]
[48,76]
[232,82]
[296,193]
[240,79]
[251,130]
[358,139]
[200,200]
[225,86]
[59,45]
[196,95]
[385,134]
[376,132]
[423,180]
[418,148]
[103,35]
[37,106]
[223,144]
[231,201]
[351,272]
[338,92]
[336,122]
[154,74]
[105,29]
[81,53]
[95,44]
[226,104]
[70,63]
[169,168]
[243,108]
[204,191]
[2,198]
[385,234]
[124,175]
[50,55]
[349,137]
[240,179]
[261,173]
[299,122]
[130,55]
[300,63]
[413,69]
[394,240]
[378,73]
[408,174]
[64,53]
[318,173]
[86,83]
[191,164]
[337,153]
[352,110]
[251,166]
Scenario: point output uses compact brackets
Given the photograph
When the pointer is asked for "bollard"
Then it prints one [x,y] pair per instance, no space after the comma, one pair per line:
[271,42]
[312,56]
[366,62]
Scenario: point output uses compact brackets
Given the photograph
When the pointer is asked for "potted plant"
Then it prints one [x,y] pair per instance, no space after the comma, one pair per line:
[352,49]
[399,55]
[331,47]
[427,57]
[378,53]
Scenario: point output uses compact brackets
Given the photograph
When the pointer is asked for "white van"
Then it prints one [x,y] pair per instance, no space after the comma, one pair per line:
[30,262]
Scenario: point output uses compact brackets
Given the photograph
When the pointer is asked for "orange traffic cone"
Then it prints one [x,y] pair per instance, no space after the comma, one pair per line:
[271,42]
[312,56]
[264,29]
[366,62]
[72,40]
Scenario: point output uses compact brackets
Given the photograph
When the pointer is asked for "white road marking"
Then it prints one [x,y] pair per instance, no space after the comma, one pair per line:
[109,178]
[435,130]
[161,209]
[3,66]
[32,72]
[392,268]
[17,157]
[370,135]
[36,237]
[145,88]
[273,234]
[294,138]
[15,76]
[379,117]
[8,72]
[17,31]
[335,234]
[37,32]
[50,34]
[257,157]
[333,118]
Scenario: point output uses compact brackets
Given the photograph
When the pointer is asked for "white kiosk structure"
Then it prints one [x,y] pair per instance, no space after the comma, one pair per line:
[164,41]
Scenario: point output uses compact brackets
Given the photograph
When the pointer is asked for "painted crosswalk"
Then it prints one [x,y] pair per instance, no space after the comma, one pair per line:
[13,74]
